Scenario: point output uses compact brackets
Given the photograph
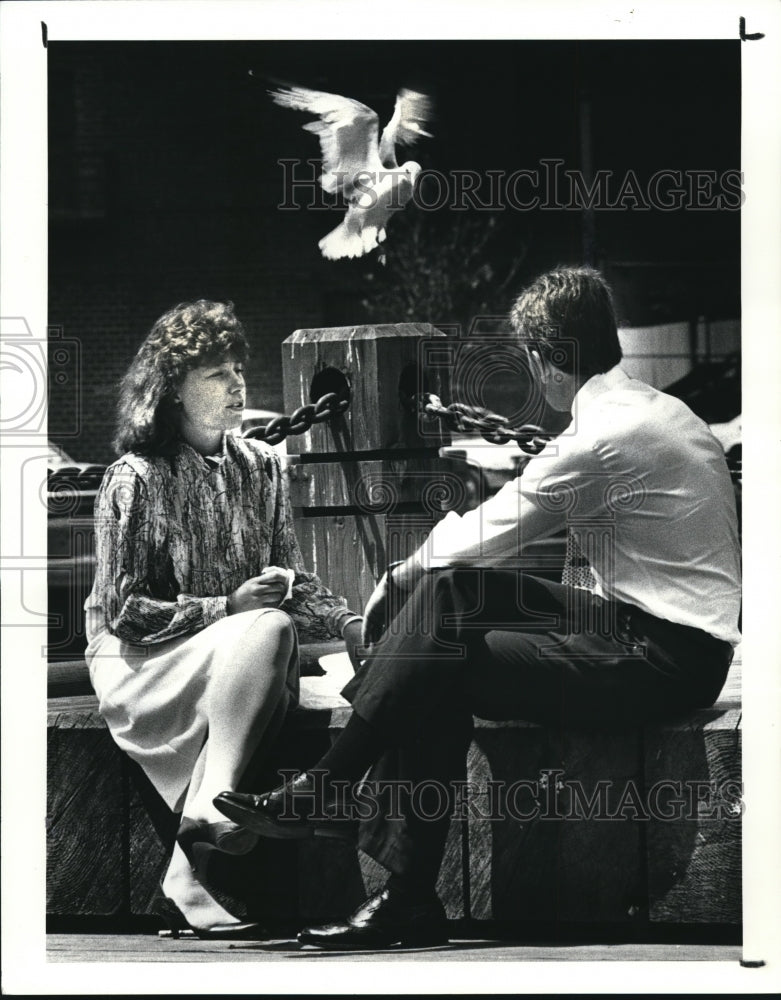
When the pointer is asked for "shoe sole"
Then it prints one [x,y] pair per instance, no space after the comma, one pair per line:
[188,934]
[245,934]
[423,942]
[284,829]
[263,826]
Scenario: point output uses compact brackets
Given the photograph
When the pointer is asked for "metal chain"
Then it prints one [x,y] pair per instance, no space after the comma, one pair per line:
[299,422]
[493,427]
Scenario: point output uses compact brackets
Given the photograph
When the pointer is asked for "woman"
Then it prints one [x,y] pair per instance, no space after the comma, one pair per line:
[191,620]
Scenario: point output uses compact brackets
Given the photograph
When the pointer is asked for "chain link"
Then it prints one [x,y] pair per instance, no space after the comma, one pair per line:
[493,427]
[299,422]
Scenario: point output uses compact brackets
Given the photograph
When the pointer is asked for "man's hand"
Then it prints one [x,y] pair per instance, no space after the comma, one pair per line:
[352,634]
[375,613]
[394,588]
[265,591]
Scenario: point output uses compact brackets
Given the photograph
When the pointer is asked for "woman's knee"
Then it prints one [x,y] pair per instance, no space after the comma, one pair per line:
[264,643]
[263,630]
[275,626]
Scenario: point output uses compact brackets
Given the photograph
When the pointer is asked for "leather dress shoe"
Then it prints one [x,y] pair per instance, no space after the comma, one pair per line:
[303,807]
[383,921]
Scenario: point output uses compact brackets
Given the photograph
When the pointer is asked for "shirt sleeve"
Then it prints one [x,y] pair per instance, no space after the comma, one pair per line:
[557,484]
[316,611]
[134,584]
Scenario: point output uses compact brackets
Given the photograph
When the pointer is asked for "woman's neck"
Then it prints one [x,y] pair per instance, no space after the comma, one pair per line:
[207,442]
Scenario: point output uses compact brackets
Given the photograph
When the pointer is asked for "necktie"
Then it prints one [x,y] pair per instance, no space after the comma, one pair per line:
[577,571]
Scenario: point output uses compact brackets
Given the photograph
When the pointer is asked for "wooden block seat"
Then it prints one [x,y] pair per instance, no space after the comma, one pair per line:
[579,843]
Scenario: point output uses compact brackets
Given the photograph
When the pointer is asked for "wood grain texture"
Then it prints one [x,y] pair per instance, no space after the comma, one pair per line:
[151,830]
[112,949]
[450,883]
[346,552]
[543,858]
[694,859]
[351,552]
[373,359]
[382,487]
[370,526]
[86,871]
[67,678]
[74,712]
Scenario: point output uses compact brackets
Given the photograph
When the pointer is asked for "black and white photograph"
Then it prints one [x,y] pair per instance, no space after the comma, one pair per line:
[375,543]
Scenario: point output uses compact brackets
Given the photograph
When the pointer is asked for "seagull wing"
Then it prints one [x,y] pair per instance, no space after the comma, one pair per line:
[347,131]
[412,113]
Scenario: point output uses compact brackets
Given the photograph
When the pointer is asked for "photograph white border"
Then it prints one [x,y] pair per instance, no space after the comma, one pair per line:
[23,278]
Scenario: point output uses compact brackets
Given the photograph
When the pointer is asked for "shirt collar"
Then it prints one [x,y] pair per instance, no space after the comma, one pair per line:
[597,385]
[219,457]
[211,461]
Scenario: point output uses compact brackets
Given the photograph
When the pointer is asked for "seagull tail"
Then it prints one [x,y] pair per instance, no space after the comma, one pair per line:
[342,242]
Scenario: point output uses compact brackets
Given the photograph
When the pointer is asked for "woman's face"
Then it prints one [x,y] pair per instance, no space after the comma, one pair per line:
[212,396]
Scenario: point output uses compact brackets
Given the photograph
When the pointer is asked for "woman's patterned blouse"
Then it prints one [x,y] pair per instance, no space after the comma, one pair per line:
[175,535]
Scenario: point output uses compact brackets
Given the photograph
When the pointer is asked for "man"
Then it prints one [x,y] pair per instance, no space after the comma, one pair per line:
[642,626]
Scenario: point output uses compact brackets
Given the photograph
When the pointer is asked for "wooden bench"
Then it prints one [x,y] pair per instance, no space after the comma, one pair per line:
[109,834]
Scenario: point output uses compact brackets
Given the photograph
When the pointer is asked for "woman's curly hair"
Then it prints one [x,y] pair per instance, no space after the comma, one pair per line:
[568,315]
[186,337]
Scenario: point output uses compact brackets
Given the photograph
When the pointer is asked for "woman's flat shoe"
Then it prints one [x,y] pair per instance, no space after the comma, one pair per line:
[230,838]
[178,927]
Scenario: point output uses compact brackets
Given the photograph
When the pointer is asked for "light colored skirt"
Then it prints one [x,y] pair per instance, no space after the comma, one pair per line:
[152,698]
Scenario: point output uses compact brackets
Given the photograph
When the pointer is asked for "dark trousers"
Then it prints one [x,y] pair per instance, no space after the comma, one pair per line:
[502,644]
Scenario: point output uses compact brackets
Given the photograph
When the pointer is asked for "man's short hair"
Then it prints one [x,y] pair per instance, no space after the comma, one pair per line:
[565,305]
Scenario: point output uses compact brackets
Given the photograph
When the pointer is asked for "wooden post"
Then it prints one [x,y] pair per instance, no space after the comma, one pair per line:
[367,486]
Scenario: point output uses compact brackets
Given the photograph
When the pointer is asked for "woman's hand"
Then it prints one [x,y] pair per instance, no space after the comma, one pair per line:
[265,591]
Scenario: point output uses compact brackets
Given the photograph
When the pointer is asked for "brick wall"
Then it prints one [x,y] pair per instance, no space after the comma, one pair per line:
[164,187]
[161,193]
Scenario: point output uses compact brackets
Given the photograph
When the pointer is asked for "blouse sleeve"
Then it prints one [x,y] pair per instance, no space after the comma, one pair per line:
[134,584]
[316,611]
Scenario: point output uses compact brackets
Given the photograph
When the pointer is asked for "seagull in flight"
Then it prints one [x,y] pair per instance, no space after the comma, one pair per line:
[357,166]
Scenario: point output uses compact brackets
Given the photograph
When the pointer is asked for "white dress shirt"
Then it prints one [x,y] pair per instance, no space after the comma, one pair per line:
[643,486]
